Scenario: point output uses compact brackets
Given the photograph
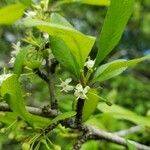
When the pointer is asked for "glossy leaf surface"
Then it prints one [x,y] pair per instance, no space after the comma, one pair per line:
[74,39]
[115,68]
[11,13]
[116,19]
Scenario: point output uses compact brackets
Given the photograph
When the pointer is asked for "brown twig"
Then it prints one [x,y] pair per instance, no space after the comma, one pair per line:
[34,110]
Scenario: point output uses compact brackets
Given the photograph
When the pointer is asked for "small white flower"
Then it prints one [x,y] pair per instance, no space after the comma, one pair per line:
[16,48]
[46,36]
[65,85]
[30,14]
[12,61]
[43,62]
[90,63]
[81,92]
[4,77]
[15,52]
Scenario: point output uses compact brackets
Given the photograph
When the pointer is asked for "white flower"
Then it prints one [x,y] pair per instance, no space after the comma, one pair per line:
[16,48]
[15,52]
[4,77]
[81,92]
[30,14]
[12,61]
[90,63]
[46,36]
[65,85]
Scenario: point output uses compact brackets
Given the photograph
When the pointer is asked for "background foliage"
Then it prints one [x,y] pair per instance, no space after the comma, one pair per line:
[130,90]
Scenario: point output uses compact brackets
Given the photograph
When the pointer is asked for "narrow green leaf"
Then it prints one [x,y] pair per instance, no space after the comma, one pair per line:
[64,55]
[63,116]
[19,62]
[11,13]
[75,40]
[11,90]
[89,2]
[90,104]
[119,112]
[116,19]
[115,68]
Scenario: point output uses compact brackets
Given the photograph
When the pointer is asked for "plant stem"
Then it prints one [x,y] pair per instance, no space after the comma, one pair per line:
[79,108]
[51,86]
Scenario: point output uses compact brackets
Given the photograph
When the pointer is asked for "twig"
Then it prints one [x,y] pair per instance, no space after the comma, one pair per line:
[53,101]
[102,135]
[129,131]
[80,141]
[116,139]
[79,109]
[33,110]
[41,75]
[50,128]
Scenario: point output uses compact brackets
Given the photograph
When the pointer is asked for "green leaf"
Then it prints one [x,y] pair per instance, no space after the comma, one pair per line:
[116,19]
[119,112]
[115,68]
[131,146]
[11,13]
[89,2]
[74,39]
[90,104]
[11,91]
[58,19]
[63,116]
[7,117]
[59,47]
[19,62]
[64,55]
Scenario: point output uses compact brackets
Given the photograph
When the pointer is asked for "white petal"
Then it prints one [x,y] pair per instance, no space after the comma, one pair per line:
[69,88]
[86,89]
[4,77]
[46,36]
[30,13]
[68,80]
[79,87]
[76,93]
[90,63]
[12,60]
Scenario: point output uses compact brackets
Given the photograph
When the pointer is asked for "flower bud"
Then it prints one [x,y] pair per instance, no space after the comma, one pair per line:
[3,130]
[25,146]
[11,136]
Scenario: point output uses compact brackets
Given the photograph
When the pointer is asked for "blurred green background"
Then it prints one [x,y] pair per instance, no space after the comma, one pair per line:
[130,90]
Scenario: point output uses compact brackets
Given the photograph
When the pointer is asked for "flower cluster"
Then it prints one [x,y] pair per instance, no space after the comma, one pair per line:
[79,91]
